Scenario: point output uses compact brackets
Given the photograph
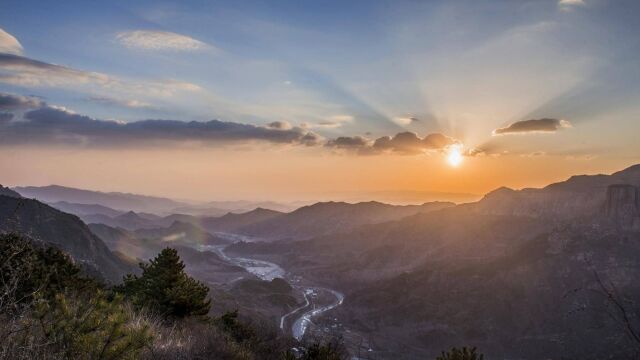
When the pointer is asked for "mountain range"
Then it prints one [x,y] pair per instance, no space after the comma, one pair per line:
[521,274]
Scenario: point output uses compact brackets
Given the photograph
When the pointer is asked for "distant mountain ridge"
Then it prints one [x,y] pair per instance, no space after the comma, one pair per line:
[115,200]
[578,196]
[86,209]
[332,217]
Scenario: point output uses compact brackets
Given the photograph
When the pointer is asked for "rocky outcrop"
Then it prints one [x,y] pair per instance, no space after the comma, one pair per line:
[623,205]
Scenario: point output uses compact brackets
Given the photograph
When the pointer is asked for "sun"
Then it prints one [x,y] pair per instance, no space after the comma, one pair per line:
[454,155]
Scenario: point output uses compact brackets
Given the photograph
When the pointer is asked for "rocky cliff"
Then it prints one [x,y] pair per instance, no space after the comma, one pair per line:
[622,205]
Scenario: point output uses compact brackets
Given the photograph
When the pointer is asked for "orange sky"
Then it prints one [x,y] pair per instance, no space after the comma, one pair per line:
[283,174]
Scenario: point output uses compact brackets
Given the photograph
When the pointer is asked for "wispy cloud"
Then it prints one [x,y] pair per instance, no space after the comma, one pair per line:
[570,2]
[160,40]
[533,126]
[568,5]
[126,103]
[332,122]
[9,44]
[405,120]
[26,72]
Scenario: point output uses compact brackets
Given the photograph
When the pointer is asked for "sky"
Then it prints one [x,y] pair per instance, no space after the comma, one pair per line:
[302,100]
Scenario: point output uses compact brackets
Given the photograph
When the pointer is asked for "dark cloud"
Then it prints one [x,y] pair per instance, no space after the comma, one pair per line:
[9,102]
[280,125]
[345,142]
[407,143]
[50,125]
[411,143]
[533,126]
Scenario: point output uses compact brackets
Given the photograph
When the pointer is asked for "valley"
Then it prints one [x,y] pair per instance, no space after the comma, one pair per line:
[514,273]
[299,319]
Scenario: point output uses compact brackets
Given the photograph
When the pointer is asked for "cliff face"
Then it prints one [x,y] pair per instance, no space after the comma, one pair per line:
[623,205]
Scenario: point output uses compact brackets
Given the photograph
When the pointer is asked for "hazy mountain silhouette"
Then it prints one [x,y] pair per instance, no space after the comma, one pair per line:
[86,209]
[231,222]
[115,200]
[330,217]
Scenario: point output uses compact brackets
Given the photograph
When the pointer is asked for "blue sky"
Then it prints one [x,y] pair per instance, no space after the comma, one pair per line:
[351,69]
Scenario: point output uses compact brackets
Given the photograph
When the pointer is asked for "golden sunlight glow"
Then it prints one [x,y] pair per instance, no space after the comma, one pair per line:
[454,155]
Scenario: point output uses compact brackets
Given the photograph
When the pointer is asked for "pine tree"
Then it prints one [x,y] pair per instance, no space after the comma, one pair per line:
[164,287]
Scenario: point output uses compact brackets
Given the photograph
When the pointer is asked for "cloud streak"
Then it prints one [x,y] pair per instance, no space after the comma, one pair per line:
[156,40]
[9,44]
[545,125]
[26,72]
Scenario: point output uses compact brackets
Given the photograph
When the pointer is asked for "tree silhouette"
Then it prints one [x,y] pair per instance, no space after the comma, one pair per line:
[164,287]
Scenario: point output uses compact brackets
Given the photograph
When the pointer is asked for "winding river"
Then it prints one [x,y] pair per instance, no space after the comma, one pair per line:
[268,271]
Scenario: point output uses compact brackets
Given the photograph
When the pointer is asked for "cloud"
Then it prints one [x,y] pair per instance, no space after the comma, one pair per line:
[405,120]
[333,121]
[9,44]
[50,125]
[533,126]
[570,2]
[410,143]
[127,103]
[568,5]
[405,143]
[349,142]
[10,102]
[159,40]
[280,125]
[23,71]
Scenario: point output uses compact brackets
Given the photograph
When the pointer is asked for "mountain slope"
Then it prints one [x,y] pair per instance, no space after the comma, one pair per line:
[43,223]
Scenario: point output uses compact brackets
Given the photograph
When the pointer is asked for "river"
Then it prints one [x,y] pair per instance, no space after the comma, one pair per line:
[268,271]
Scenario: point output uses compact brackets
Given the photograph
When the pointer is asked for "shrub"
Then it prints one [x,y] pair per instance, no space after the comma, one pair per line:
[92,328]
[461,354]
